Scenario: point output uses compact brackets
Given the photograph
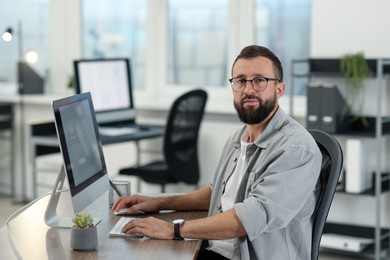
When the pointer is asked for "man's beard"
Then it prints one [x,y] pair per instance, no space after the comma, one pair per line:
[255,116]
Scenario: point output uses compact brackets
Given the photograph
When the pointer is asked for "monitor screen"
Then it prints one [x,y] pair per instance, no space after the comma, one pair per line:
[81,149]
[109,81]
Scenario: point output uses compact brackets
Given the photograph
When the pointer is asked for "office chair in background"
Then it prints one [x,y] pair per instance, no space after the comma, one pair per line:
[332,163]
[180,150]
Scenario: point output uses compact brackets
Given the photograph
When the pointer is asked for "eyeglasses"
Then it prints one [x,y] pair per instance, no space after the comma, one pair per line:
[258,83]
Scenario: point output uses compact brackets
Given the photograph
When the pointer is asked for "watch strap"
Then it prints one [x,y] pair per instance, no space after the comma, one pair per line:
[176,230]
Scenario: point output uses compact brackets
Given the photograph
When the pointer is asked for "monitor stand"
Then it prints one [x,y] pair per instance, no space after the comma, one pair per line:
[52,218]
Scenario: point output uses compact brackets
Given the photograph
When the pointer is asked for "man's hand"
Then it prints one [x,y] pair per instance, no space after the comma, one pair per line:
[150,227]
[137,203]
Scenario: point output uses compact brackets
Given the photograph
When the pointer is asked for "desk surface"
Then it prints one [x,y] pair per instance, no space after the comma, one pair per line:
[28,237]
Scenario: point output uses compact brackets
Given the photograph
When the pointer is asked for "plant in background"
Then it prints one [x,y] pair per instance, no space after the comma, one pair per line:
[71,82]
[355,70]
[83,220]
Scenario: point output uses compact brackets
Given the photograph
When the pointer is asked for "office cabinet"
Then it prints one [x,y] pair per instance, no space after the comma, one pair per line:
[326,71]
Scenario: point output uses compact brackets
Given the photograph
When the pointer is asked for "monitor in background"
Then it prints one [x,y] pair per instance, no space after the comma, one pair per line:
[109,81]
[81,149]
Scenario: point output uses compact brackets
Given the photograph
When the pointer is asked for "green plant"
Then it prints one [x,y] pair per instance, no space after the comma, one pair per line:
[83,220]
[70,83]
[355,70]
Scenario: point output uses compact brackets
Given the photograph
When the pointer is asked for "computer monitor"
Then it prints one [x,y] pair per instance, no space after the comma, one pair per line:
[81,149]
[109,81]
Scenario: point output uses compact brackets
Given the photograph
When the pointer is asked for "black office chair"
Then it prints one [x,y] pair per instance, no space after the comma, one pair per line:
[180,162]
[332,163]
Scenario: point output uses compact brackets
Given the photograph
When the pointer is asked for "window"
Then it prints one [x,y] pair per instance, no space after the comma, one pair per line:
[197,42]
[31,19]
[179,44]
[284,27]
[116,29]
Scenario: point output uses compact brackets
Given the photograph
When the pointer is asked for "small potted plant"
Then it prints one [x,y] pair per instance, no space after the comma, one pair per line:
[84,233]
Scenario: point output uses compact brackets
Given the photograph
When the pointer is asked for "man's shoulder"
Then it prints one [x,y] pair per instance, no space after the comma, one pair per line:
[296,133]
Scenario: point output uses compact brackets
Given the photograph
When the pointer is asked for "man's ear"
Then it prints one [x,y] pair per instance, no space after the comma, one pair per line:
[280,87]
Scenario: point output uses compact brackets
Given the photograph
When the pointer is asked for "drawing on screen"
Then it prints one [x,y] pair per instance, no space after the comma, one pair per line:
[81,143]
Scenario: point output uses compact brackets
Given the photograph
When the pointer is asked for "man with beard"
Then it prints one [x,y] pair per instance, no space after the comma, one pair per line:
[262,195]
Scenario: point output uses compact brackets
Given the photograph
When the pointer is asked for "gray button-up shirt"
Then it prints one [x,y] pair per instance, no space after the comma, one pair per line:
[277,194]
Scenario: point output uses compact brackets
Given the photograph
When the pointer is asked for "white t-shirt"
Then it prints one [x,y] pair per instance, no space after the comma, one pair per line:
[225,247]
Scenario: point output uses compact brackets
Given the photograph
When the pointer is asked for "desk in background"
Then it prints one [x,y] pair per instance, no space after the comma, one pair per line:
[28,237]
[43,141]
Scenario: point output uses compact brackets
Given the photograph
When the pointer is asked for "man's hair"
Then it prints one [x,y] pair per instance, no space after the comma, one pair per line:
[254,51]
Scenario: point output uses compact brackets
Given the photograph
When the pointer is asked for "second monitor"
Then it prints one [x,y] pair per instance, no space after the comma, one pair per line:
[109,81]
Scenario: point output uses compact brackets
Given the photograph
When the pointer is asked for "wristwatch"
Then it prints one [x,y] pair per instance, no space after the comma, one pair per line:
[176,229]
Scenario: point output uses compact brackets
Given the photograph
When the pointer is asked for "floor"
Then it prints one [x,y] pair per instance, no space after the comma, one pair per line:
[9,206]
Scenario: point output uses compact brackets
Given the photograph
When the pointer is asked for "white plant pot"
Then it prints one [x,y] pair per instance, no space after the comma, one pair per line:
[83,239]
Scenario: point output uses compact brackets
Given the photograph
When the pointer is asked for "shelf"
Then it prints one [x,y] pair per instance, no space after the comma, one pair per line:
[369,252]
[331,67]
[358,231]
[356,128]
[327,68]
[371,191]
[354,230]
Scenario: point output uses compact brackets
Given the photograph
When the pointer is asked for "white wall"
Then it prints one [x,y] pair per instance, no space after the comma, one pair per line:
[344,26]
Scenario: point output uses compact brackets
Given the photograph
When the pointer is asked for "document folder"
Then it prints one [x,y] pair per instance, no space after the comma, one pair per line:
[324,108]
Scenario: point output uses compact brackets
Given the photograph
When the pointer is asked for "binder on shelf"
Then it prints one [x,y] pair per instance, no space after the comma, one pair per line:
[333,104]
[313,107]
[324,108]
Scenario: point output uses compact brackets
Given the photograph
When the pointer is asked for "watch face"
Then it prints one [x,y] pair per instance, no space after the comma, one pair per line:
[178,221]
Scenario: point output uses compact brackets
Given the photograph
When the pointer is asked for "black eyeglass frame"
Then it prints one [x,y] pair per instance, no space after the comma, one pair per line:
[251,80]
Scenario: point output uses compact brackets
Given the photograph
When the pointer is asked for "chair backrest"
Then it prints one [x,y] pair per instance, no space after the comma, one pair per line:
[181,135]
[332,163]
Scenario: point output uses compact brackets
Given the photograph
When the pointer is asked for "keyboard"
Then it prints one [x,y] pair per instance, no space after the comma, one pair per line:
[116,131]
[116,231]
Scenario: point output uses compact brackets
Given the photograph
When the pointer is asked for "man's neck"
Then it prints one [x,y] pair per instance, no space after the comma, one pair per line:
[255,130]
